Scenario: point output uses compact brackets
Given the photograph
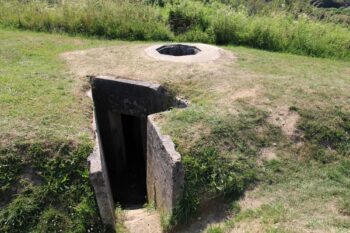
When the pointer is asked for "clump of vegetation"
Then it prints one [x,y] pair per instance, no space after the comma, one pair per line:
[327,132]
[187,16]
[10,169]
[215,229]
[119,215]
[63,201]
[267,26]
[108,19]
[282,33]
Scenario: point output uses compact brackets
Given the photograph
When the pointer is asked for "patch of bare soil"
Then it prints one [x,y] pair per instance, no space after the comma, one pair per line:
[28,178]
[132,62]
[250,200]
[287,120]
[219,80]
[249,227]
[245,93]
[268,154]
[142,221]
[212,213]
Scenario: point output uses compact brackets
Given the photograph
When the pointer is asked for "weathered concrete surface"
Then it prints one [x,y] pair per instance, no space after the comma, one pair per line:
[165,174]
[100,181]
[130,97]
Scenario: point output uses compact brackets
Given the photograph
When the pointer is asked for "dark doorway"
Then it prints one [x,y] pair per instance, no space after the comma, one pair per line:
[131,184]
[123,140]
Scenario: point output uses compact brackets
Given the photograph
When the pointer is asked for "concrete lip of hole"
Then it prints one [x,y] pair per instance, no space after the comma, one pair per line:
[184,52]
[132,162]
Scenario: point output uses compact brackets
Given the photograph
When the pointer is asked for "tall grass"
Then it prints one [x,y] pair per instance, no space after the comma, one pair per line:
[111,19]
[282,33]
[187,20]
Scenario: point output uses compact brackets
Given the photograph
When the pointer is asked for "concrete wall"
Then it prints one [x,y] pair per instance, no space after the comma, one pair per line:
[100,181]
[165,174]
[130,97]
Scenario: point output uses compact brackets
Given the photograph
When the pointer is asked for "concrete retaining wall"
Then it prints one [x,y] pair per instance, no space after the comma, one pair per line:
[165,175]
[100,181]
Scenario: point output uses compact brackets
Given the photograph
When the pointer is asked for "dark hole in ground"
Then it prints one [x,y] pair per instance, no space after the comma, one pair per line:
[178,50]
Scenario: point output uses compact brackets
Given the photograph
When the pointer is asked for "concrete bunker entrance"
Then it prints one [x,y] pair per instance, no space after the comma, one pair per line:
[132,163]
[125,156]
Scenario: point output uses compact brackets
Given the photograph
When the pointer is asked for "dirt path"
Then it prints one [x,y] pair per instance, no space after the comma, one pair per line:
[142,221]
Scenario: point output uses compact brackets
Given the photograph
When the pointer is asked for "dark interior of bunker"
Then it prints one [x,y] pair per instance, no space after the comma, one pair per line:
[123,140]
[121,110]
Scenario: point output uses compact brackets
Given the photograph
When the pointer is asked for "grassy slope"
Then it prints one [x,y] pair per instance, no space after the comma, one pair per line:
[290,189]
[306,187]
[37,94]
[302,194]
[45,138]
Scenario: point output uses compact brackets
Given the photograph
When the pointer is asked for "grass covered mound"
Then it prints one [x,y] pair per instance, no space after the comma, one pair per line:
[289,27]
[45,138]
[235,136]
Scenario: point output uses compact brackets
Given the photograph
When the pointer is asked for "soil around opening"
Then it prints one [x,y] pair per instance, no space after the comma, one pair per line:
[178,50]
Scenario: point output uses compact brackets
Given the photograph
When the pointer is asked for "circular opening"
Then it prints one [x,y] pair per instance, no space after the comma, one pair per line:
[178,50]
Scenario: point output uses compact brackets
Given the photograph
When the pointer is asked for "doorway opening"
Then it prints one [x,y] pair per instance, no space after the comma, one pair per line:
[121,108]
[132,162]
[126,158]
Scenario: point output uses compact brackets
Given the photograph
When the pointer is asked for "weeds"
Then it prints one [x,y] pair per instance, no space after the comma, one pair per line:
[120,216]
[215,229]
[188,20]
[64,201]
[328,130]
[108,19]
[10,170]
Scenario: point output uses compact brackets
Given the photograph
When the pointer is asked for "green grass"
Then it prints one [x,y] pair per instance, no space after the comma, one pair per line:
[37,93]
[292,192]
[305,179]
[45,137]
[317,89]
[50,191]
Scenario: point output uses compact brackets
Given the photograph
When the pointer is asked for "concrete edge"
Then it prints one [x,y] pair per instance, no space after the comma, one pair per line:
[153,86]
[168,144]
[173,160]
[207,53]
[99,178]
